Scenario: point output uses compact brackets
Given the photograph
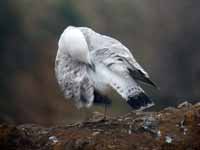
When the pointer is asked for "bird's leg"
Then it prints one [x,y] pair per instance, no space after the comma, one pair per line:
[87,115]
[105,111]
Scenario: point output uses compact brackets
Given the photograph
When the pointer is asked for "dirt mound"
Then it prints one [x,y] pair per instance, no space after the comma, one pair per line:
[172,128]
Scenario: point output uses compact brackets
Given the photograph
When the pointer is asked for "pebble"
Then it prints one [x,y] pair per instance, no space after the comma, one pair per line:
[185,131]
[184,104]
[168,139]
[95,133]
[159,133]
[53,139]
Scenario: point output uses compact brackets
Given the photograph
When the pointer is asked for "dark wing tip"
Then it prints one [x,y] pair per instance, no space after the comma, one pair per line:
[147,80]
[139,75]
[139,101]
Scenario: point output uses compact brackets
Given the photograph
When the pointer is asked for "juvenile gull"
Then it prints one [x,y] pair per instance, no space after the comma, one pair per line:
[89,65]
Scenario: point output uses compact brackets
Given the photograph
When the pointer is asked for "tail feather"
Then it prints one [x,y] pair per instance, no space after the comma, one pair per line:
[139,101]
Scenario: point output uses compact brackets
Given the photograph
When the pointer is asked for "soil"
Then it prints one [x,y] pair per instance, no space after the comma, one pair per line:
[169,129]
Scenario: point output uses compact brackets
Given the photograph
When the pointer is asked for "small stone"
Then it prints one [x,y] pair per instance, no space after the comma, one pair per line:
[169,109]
[159,133]
[185,104]
[185,131]
[95,133]
[53,139]
[120,119]
[111,146]
[43,132]
[127,118]
[197,104]
[129,131]
[149,123]
[168,139]
[159,115]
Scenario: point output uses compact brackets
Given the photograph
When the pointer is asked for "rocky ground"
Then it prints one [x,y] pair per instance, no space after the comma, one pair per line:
[170,129]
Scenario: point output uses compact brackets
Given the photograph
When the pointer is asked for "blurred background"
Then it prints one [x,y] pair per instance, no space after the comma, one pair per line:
[163,35]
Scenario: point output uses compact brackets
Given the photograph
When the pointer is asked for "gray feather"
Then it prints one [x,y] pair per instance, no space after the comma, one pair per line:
[74,81]
[118,61]
[112,66]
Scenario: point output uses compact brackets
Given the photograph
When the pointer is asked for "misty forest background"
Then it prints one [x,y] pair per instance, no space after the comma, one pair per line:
[164,37]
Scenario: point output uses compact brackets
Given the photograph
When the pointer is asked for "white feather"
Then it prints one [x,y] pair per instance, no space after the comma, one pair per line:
[80,46]
[72,41]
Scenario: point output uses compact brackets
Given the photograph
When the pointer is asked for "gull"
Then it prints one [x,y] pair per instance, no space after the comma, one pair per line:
[89,66]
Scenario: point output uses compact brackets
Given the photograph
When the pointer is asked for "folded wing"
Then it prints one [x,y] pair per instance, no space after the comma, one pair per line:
[74,81]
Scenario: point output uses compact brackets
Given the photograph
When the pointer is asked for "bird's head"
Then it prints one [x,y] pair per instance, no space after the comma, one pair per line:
[73,42]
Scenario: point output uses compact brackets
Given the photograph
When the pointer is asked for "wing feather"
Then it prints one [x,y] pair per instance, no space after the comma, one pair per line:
[115,55]
[74,81]
[120,67]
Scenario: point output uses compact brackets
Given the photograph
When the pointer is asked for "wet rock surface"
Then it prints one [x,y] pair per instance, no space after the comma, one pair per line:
[170,129]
